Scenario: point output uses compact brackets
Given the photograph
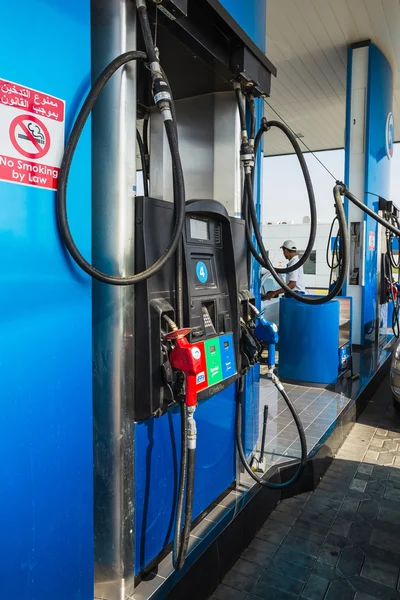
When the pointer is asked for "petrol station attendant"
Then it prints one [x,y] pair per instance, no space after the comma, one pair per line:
[295,279]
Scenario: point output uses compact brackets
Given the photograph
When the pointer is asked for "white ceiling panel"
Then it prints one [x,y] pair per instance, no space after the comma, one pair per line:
[308,41]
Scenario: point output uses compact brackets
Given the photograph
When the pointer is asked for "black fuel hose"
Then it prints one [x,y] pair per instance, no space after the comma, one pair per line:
[185,535]
[336,262]
[143,162]
[178,543]
[64,174]
[266,126]
[267,263]
[242,113]
[188,455]
[368,210]
[239,443]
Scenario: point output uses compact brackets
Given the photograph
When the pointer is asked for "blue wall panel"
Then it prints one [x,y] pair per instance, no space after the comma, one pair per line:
[46,475]
[251,16]
[157,468]
[377,168]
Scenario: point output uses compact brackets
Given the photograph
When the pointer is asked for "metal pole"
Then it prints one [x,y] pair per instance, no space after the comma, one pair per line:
[114,181]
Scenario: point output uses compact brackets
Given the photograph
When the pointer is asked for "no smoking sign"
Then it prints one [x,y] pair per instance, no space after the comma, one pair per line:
[31,136]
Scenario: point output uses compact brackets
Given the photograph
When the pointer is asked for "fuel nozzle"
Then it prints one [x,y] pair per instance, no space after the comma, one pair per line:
[187,358]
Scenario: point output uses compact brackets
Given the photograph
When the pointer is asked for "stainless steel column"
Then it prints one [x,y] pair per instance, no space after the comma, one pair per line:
[114,180]
[209,142]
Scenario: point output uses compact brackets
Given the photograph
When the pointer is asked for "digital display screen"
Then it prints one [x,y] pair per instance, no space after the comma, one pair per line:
[199,229]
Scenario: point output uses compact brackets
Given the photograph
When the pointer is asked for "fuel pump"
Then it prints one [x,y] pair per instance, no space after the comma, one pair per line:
[197,330]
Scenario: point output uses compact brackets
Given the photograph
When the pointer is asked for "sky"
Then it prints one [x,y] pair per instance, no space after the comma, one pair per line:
[284,190]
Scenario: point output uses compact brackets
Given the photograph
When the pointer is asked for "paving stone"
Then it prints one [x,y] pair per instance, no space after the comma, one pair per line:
[366,469]
[289,509]
[360,533]
[323,516]
[339,496]
[381,472]
[238,581]
[223,592]
[389,515]
[383,433]
[350,561]
[306,535]
[284,518]
[339,541]
[351,516]
[298,558]
[341,527]
[263,546]
[368,509]
[270,593]
[376,590]
[390,445]
[385,458]
[376,446]
[392,484]
[313,525]
[381,572]
[375,489]
[385,540]
[275,526]
[394,474]
[350,505]
[371,456]
[378,442]
[301,546]
[286,583]
[340,590]
[270,536]
[246,568]
[380,554]
[261,559]
[286,568]
[392,494]
[315,588]
[359,485]
[329,555]
[326,572]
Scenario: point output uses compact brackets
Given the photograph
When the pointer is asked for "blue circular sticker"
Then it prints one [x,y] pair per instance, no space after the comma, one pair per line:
[201,272]
[389,135]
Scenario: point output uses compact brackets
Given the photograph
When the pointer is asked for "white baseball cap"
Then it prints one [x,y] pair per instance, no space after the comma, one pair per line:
[289,245]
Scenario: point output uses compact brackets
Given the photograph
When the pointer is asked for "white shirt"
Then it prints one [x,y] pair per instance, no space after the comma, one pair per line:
[297,276]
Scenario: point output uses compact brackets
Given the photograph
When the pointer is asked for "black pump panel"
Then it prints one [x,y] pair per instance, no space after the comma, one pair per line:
[202,50]
[213,249]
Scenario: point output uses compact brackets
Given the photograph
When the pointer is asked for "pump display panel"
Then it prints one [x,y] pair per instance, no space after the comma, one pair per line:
[199,229]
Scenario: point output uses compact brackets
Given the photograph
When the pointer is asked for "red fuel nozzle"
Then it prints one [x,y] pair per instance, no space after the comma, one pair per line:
[187,358]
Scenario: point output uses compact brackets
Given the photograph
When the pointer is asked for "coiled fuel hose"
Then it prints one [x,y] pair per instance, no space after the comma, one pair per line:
[299,425]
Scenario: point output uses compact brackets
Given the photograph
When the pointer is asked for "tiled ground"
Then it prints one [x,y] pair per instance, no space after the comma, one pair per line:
[318,409]
[341,542]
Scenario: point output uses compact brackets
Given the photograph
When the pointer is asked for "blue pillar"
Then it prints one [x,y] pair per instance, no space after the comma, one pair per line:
[46,470]
[369,148]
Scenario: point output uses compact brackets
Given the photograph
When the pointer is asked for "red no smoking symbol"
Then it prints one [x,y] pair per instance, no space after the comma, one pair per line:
[29,136]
